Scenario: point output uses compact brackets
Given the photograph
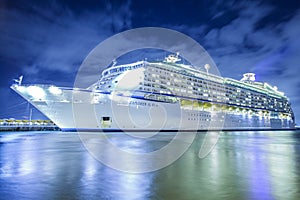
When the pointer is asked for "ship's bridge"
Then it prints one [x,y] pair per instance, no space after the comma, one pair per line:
[122,68]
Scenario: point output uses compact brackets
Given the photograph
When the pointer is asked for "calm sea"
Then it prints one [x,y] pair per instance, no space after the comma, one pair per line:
[242,165]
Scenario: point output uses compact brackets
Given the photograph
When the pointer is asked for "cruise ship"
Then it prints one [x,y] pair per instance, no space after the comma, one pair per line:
[165,95]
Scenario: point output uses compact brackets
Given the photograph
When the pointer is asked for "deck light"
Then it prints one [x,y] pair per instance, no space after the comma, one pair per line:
[36,92]
[55,90]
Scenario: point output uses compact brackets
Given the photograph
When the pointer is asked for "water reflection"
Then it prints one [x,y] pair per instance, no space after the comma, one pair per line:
[243,165]
[100,181]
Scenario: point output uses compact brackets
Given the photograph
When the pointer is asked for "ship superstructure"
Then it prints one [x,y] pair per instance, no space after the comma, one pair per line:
[165,95]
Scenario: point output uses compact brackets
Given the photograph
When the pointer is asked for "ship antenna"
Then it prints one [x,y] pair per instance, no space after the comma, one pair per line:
[114,62]
[19,81]
[207,67]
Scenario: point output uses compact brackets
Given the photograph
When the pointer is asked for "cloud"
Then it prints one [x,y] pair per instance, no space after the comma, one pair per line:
[56,38]
[47,40]
[271,51]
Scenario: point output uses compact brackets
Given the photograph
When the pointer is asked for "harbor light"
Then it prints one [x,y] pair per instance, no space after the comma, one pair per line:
[55,90]
[36,92]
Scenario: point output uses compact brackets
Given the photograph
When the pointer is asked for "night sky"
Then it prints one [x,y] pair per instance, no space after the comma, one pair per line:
[46,41]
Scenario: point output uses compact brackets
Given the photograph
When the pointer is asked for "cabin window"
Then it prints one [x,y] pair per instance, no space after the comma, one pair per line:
[106,118]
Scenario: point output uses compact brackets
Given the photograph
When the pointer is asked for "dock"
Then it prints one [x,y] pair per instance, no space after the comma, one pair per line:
[27,125]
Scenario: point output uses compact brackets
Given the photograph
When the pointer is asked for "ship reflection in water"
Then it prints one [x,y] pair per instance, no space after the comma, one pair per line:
[243,165]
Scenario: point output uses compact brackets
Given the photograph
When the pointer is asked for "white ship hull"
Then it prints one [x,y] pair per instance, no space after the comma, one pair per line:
[75,109]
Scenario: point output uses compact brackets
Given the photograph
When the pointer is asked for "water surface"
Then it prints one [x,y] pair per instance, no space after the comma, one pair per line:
[243,165]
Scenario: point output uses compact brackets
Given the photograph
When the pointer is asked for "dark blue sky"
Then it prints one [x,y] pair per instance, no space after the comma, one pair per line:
[46,41]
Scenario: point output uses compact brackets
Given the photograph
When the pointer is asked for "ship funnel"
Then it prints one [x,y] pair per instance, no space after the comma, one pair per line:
[173,58]
[248,77]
